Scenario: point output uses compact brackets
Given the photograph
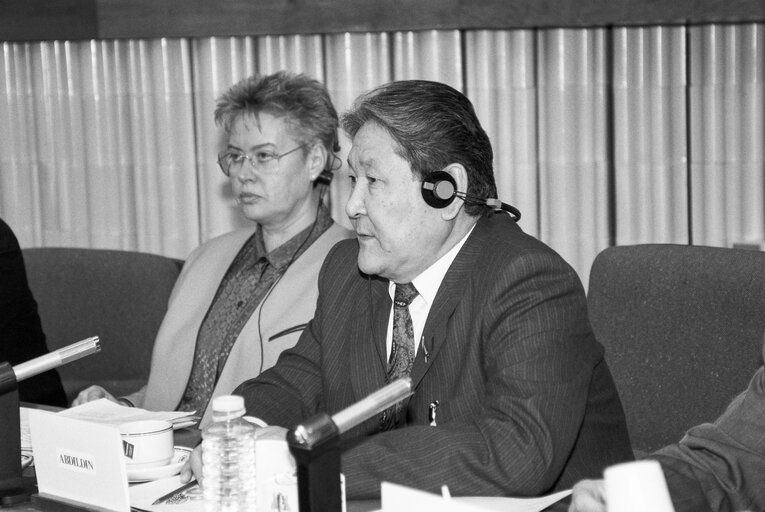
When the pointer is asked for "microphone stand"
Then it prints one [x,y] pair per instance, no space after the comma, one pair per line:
[315,444]
[14,488]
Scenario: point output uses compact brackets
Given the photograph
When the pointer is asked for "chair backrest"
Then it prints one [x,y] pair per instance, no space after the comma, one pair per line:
[120,296]
[683,330]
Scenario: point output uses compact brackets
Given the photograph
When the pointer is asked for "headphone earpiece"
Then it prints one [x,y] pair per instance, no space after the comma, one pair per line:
[439,189]
[324,178]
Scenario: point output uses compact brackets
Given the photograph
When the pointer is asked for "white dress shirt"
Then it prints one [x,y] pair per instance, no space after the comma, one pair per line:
[427,284]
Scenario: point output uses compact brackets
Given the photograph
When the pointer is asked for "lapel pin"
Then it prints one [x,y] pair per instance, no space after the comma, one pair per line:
[432,412]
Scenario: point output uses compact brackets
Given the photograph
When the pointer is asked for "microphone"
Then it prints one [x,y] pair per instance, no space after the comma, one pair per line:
[14,488]
[57,358]
[307,435]
[377,402]
[316,447]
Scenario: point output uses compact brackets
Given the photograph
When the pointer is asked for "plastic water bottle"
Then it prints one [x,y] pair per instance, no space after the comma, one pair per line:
[228,458]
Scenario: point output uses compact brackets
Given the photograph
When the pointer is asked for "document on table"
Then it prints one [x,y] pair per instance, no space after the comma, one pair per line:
[107,412]
[26,436]
[398,498]
[143,496]
[501,504]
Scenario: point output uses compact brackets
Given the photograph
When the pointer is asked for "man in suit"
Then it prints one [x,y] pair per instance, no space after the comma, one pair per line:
[716,467]
[511,392]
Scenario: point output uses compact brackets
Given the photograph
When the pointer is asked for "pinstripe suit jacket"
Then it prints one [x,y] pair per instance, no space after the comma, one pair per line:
[527,404]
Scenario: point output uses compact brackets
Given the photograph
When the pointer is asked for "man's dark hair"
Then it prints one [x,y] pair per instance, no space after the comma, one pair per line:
[433,125]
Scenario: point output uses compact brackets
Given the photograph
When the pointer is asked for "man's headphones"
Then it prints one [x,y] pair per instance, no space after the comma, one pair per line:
[439,190]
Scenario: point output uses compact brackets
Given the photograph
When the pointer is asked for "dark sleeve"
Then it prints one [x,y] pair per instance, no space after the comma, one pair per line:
[720,466]
[21,334]
[291,390]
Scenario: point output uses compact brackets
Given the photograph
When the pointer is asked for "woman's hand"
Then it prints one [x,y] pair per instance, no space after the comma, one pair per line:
[93,393]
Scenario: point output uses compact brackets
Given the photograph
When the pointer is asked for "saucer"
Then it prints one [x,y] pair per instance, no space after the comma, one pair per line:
[180,456]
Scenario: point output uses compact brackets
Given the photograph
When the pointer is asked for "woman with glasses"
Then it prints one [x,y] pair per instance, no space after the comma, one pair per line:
[244,297]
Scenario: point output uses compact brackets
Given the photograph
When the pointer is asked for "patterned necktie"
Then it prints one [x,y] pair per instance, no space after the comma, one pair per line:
[402,349]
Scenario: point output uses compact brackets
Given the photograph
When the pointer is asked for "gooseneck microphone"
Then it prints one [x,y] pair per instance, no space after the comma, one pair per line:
[57,358]
[439,190]
[14,487]
[315,444]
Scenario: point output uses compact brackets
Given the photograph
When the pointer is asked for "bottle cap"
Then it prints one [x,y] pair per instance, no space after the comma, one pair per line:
[228,404]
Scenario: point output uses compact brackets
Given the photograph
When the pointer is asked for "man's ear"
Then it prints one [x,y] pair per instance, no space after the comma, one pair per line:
[458,172]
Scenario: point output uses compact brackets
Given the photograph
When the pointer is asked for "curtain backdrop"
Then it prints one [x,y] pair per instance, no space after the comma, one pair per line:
[602,136]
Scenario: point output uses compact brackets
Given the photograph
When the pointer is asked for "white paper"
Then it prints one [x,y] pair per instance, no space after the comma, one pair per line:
[26,437]
[398,498]
[143,495]
[107,412]
[515,504]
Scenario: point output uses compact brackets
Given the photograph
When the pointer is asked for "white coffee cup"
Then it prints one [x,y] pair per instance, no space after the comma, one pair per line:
[147,443]
[637,487]
[276,471]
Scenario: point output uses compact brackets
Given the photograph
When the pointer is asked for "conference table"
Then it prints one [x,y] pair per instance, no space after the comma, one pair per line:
[183,437]
[351,506]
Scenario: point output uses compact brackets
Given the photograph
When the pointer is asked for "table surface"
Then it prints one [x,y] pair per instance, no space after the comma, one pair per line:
[183,437]
[351,506]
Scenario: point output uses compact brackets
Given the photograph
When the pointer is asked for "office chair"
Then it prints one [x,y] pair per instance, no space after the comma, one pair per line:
[683,331]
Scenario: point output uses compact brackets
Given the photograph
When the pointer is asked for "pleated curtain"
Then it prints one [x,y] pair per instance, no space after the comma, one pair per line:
[602,136]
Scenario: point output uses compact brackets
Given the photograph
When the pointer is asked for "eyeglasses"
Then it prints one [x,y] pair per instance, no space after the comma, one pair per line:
[266,162]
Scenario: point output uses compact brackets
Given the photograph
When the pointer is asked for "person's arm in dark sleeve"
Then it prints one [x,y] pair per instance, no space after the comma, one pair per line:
[720,466]
[291,391]
[21,334]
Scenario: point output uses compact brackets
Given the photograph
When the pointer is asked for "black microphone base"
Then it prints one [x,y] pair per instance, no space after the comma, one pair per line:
[318,466]
[12,487]
[20,494]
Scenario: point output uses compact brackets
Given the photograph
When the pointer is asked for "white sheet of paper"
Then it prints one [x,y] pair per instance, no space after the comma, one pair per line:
[399,498]
[502,504]
[107,412]
[26,437]
[143,495]
[79,460]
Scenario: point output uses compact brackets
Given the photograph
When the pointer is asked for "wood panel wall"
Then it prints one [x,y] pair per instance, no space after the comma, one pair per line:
[29,20]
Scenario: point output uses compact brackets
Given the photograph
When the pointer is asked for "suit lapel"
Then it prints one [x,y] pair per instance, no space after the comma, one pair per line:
[450,293]
[368,352]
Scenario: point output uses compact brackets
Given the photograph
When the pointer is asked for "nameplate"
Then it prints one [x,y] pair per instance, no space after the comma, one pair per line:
[79,461]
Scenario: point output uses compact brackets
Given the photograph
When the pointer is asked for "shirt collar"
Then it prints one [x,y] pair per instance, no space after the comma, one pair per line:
[429,281]
[288,251]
